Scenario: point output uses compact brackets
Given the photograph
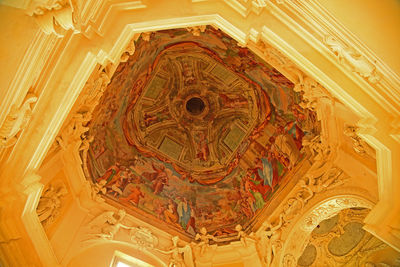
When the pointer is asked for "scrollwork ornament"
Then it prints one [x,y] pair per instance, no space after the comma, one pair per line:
[196,30]
[143,238]
[352,60]
[56,16]
[329,209]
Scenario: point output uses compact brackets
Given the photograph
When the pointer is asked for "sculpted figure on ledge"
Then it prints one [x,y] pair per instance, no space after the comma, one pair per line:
[204,238]
[16,121]
[180,256]
[270,241]
[50,203]
[106,225]
[243,236]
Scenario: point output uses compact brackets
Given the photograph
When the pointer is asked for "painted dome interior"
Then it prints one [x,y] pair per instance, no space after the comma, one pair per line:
[196,131]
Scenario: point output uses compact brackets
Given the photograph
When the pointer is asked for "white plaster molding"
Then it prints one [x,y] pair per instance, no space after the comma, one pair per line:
[324,25]
[109,243]
[33,190]
[299,232]
[28,72]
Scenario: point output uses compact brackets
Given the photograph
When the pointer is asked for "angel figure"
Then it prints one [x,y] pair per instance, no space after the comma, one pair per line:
[270,241]
[98,188]
[242,235]
[330,178]
[204,238]
[107,225]
[180,256]
[50,203]
[16,121]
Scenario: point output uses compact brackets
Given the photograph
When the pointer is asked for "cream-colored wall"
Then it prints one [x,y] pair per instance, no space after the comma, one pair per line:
[237,264]
[375,23]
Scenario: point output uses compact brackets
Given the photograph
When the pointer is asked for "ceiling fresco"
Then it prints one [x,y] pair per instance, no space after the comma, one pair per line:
[196,131]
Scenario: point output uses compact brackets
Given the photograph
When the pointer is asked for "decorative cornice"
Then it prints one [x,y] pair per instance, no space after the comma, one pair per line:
[56,16]
[346,51]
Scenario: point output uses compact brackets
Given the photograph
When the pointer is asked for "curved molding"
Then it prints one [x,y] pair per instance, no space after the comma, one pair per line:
[110,243]
[299,234]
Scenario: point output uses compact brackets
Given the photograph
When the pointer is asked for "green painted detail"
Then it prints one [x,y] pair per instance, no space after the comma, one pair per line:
[234,137]
[171,148]
[155,87]
[223,74]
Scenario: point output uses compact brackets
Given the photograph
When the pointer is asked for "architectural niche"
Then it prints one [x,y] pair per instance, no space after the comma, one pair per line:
[341,241]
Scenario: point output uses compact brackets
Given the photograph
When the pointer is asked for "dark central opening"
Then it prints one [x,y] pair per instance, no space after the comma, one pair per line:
[195,106]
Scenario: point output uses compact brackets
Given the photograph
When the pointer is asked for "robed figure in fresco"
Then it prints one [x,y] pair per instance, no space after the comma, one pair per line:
[184,211]
[110,174]
[134,196]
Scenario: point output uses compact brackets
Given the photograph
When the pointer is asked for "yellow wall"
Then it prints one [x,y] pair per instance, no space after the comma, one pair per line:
[238,264]
[17,32]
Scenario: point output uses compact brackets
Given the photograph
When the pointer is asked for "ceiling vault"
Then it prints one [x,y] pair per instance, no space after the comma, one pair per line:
[134,125]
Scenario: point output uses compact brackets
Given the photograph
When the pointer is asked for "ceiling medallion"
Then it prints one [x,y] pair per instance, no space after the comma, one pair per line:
[195,131]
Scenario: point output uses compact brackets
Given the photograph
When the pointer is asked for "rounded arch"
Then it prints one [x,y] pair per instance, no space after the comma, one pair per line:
[299,233]
[102,252]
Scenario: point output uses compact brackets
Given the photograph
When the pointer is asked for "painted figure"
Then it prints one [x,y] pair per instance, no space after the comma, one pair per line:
[184,211]
[159,178]
[116,188]
[170,214]
[134,196]
[235,102]
[110,173]
[202,147]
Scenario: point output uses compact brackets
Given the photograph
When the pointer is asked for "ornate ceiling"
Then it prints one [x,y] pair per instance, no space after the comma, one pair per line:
[195,131]
[341,241]
[162,157]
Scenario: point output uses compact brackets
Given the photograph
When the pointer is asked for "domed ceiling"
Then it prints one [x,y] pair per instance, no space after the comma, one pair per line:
[196,131]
